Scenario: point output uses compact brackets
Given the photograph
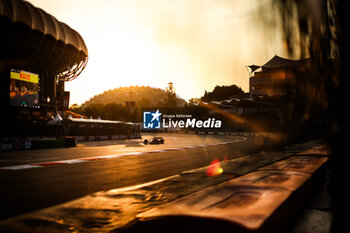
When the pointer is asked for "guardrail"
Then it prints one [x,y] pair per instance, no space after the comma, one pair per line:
[267,199]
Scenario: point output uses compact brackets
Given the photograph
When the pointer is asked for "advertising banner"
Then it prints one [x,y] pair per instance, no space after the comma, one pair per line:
[24,89]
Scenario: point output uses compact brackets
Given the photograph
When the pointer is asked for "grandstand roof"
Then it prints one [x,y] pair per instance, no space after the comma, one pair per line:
[31,35]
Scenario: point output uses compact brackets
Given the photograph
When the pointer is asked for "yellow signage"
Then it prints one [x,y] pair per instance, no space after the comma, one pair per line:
[25,76]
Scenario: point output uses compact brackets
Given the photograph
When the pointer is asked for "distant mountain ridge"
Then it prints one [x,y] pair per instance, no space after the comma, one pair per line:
[144,96]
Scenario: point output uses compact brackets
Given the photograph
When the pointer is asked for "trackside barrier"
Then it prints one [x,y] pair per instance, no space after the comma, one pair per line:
[265,200]
[16,143]
[108,137]
[241,133]
[29,144]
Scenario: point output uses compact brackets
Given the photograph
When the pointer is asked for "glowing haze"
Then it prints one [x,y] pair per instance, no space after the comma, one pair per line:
[196,44]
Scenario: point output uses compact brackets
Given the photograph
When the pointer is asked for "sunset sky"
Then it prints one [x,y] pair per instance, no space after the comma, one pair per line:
[196,44]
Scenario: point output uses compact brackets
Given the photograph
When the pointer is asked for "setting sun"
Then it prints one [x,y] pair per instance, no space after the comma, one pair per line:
[193,44]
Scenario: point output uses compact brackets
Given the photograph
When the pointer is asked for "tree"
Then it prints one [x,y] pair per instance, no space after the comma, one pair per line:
[171,98]
[76,108]
[193,101]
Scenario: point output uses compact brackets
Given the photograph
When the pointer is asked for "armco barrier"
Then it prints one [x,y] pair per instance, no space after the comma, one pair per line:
[306,164]
[265,200]
[288,180]
[246,206]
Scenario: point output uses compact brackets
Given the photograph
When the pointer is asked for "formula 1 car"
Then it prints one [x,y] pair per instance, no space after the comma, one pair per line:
[154,140]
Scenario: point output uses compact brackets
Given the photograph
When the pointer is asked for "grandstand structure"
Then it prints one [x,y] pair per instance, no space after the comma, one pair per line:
[38,54]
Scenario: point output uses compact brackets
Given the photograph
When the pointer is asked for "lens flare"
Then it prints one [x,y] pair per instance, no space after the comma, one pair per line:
[214,168]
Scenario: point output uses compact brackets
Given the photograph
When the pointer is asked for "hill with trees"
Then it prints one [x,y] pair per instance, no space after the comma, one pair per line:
[144,96]
[222,93]
[111,104]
